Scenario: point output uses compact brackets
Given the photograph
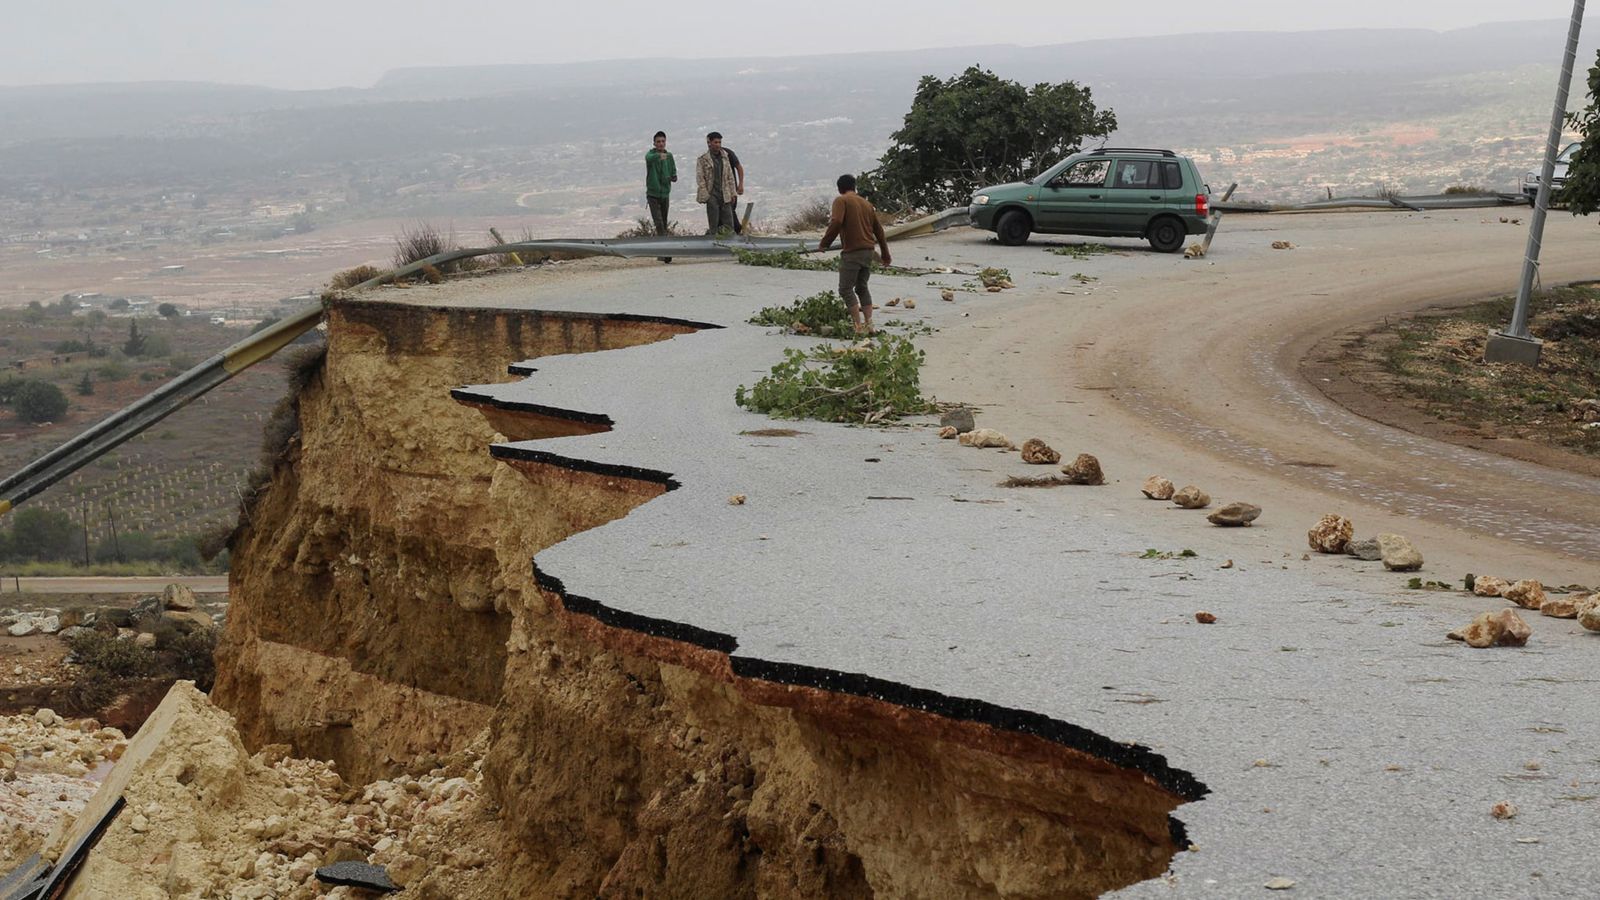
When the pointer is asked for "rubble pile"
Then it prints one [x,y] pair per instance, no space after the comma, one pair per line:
[203,818]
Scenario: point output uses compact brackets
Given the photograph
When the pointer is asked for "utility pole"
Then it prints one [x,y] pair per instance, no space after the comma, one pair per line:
[85,509]
[1515,344]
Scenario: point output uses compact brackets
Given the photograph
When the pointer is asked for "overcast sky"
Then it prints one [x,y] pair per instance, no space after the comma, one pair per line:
[328,43]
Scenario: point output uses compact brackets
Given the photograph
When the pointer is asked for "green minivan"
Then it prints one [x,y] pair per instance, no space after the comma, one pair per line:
[1109,192]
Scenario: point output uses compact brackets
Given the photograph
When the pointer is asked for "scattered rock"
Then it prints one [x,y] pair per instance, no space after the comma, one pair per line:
[22,627]
[985,437]
[1279,884]
[1084,470]
[357,874]
[947,294]
[910,303]
[48,624]
[1227,564]
[1589,613]
[894,302]
[1282,245]
[1503,629]
[144,639]
[146,613]
[1331,534]
[1038,453]
[46,716]
[1205,618]
[1366,549]
[1489,586]
[1235,515]
[1564,607]
[993,289]
[948,432]
[1191,497]
[1158,488]
[1398,554]
[1505,809]
[188,622]
[1586,411]
[736,500]
[178,597]
[960,418]
[1527,593]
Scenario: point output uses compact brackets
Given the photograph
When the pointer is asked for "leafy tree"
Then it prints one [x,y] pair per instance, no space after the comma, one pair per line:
[978,129]
[119,303]
[86,385]
[167,310]
[136,343]
[42,534]
[1582,190]
[39,401]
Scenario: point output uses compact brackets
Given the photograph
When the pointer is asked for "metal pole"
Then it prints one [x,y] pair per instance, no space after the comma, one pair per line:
[1541,205]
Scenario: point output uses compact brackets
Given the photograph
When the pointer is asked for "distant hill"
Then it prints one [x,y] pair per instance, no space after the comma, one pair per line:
[801,119]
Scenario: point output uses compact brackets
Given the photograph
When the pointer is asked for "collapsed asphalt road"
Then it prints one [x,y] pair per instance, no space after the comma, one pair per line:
[1350,748]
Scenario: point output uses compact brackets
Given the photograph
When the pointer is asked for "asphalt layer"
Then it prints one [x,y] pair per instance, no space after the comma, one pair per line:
[1346,743]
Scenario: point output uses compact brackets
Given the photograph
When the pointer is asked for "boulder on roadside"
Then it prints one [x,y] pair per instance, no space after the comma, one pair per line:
[1235,515]
[1038,453]
[1158,488]
[146,613]
[959,418]
[1527,593]
[22,627]
[1398,554]
[187,622]
[1489,586]
[48,624]
[948,432]
[1331,534]
[985,437]
[178,597]
[1364,549]
[144,639]
[1495,629]
[1191,497]
[1084,470]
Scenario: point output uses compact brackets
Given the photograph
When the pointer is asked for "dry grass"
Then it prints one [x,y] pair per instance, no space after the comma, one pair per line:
[1436,362]
[811,216]
[349,278]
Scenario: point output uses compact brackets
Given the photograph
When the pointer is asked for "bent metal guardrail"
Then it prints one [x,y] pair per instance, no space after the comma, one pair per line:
[118,427]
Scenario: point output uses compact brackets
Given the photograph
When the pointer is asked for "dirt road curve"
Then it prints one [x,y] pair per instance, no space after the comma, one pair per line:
[1192,369]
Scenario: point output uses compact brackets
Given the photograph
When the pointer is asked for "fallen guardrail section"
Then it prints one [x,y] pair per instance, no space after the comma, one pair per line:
[1421,203]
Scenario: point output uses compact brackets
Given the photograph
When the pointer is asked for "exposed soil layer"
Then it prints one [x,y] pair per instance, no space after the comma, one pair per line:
[385,609]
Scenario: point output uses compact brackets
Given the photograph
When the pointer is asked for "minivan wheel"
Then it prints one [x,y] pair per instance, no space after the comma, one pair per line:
[1166,234]
[1013,227]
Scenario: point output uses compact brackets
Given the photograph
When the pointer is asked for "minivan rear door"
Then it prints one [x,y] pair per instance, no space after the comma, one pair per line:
[1139,191]
[1072,200]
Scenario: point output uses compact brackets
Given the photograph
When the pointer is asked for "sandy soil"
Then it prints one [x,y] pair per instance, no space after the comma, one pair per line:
[1192,369]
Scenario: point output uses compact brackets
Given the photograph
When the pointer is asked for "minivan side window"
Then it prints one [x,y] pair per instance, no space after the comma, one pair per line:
[1089,173]
[1136,173]
[1171,176]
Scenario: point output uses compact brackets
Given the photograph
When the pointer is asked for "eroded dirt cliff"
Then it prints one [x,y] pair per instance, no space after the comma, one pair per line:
[386,612]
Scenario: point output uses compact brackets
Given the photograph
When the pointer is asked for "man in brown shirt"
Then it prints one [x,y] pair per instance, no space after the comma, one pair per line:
[856,224]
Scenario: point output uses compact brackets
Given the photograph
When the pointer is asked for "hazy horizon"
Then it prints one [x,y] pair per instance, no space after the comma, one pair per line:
[300,45]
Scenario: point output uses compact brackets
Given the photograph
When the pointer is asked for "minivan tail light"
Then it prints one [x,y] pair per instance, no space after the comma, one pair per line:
[1202,205]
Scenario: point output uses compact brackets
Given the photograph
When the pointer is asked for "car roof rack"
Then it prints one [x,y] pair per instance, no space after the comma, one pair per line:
[1099,150]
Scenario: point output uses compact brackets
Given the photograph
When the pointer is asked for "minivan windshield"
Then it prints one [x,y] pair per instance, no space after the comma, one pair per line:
[1566,155]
